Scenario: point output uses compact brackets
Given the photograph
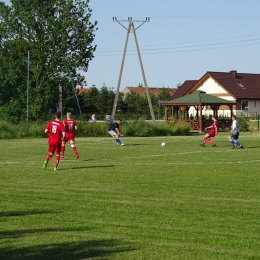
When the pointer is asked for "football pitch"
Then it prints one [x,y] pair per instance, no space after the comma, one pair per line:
[138,201]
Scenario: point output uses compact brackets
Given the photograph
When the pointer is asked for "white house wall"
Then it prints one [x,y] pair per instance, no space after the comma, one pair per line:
[211,87]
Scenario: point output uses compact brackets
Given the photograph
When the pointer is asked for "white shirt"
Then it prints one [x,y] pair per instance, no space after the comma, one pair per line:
[235,126]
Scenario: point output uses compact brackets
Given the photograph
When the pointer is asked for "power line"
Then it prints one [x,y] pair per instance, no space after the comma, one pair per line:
[210,40]
[109,36]
[99,31]
[188,48]
[249,16]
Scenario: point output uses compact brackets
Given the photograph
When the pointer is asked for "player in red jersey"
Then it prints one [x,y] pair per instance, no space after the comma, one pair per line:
[70,127]
[213,132]
[56,132]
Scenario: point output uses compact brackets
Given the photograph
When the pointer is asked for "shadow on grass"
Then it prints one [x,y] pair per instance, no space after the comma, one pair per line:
[135,144]
[25,213]
[27,232]
[93,249]
[93,166]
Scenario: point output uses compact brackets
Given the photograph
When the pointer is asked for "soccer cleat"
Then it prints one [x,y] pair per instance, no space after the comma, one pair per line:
[122,144]
[234,146]
[77,155]
[62,156]
[241,147]
[55,169]
[45,165]
[202,145]
[214,145]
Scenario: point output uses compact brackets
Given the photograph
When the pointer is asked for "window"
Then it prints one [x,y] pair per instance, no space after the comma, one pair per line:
[255,103]
[244,105]
[241,86]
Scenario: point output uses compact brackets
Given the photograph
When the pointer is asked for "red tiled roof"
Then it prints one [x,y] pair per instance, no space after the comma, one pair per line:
[183,89]
[82,90]
[153,91]
[240,85]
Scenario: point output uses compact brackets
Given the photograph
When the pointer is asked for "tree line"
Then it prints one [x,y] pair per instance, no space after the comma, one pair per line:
[130,106]
[43,47]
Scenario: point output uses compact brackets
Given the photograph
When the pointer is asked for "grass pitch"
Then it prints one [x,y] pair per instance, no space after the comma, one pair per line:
[139,201]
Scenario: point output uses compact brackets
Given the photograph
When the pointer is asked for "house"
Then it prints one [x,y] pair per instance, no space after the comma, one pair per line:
[81,90]
[241,88]
[152,91]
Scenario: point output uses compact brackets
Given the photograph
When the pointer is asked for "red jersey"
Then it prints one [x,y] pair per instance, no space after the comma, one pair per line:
[212,132]
[214,125]
[55,129]
[70,125]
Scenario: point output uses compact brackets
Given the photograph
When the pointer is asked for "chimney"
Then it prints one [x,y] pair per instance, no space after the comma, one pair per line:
[234,73]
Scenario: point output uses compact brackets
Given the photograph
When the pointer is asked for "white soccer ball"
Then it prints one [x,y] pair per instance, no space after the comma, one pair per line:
[163,144]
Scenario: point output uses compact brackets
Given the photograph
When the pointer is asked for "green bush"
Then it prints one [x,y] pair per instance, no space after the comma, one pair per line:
[99,129]
[243,123]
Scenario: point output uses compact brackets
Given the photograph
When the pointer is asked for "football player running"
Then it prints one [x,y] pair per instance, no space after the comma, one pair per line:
[115,132]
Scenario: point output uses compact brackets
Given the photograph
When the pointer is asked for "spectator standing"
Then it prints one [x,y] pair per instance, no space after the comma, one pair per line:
[109,118]
[93,118]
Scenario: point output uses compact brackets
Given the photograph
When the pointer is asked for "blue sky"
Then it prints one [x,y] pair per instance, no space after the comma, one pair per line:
[183,40]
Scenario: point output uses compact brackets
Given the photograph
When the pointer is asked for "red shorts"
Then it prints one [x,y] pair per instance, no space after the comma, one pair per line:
[211,133]
[54,148]
[69,137]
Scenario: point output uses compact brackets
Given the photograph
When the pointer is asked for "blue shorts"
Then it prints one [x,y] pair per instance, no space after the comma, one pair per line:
[234,135]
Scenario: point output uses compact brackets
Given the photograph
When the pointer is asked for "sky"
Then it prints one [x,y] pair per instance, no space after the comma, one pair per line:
[182,41]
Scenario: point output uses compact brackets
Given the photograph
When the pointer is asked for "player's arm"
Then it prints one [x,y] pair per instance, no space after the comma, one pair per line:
[47,129]
[63,137]
[119,133]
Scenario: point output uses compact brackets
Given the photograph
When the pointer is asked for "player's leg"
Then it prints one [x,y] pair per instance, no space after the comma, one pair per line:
[237,143]
[204,140]
[114,135]
[74,148]
[232,141]
[57,159]
[211,141]
[62,149]
[49,156]
[118,140]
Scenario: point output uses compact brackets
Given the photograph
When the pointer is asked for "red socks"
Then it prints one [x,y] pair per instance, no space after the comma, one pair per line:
[210,140]
[49,156]
[57,161]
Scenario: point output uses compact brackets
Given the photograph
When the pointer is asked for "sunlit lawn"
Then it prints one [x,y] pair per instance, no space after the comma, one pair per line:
[140,201]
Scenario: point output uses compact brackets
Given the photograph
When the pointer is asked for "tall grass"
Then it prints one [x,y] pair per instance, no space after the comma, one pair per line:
[99,129]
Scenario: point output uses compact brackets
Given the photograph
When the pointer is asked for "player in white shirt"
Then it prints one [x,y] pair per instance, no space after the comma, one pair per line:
[233,138]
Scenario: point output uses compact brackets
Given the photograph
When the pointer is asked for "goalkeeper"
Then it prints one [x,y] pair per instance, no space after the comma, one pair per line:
[115,132]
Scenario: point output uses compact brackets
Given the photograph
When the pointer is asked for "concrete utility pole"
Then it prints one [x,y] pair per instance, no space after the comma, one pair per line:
[131,28]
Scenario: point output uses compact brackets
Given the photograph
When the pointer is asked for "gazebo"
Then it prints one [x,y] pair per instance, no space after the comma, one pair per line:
[198,100]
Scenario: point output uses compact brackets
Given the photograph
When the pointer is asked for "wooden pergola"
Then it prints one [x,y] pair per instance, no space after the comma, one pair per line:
[198,100]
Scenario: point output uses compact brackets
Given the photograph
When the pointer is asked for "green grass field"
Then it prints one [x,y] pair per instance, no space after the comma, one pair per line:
[140,201]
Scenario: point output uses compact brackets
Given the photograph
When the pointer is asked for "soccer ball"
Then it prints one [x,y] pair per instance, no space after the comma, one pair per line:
[163,144]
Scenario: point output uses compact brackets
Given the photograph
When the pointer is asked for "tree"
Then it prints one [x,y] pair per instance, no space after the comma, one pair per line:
[57,34]
[164,94]
[178,85]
